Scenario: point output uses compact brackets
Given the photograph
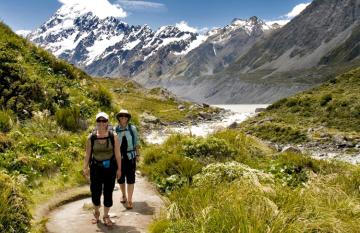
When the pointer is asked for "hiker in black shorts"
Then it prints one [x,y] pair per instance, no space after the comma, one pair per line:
[129,147]
[103,158]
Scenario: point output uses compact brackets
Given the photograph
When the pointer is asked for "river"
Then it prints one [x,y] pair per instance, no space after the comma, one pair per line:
[236,113]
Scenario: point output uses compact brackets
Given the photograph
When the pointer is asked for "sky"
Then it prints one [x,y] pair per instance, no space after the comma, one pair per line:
[198,14]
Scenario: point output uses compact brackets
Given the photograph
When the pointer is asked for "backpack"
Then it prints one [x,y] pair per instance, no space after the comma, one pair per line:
[93,137]
[118,130]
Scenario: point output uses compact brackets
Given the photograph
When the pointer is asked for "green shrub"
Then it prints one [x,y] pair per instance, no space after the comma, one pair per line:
[279,133]
[14,214]
[69,118]
[5,142]
[208,147]
[5,121]
[102,95]
[325,99]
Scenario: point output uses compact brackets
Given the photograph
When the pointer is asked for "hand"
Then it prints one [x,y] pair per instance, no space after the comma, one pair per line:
[118,174]
[86,172]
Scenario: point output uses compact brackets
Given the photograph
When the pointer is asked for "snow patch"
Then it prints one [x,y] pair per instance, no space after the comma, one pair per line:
[131,45]
[101,45]
[194,44]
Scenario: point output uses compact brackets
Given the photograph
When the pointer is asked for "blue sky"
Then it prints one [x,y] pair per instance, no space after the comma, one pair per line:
[25,14]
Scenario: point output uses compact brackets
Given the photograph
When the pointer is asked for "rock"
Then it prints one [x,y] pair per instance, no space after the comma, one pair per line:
[181,107]
[121,90]
[232,125]
[259,109]
[324,135]
[267,119]
[205,115]
[205,105]
[292,149]
[148,118]
[278,147]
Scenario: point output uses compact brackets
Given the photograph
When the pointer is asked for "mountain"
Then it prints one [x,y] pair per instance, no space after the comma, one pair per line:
[221,48]
[315,46]
[247,61]
[108,46]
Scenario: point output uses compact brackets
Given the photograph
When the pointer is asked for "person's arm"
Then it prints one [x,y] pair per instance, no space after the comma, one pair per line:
[87,157]
[117,156]
[137,144]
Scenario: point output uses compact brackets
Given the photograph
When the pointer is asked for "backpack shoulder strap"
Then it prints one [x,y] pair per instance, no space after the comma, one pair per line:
[132,135]
[93,137]
[112,138]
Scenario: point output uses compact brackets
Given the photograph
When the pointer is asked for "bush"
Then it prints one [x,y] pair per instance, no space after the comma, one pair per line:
[279,133]
[69,118]
[14,215]
[5,142]
[208,147]
[103,96]
[325,99]
[5,121]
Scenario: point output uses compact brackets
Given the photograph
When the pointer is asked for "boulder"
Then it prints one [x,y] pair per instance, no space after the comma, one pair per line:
[259,109]
[205,115]
[233,125]
[181,107]
[292,149]
[148,118]
[205,105]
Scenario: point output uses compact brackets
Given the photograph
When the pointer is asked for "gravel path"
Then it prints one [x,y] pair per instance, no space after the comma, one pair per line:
[76,216]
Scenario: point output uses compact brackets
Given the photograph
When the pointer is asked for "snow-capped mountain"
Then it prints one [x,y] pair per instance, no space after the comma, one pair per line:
[222,47]
[107,46]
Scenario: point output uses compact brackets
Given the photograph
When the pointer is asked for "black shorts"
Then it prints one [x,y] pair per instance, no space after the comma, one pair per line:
[128,168]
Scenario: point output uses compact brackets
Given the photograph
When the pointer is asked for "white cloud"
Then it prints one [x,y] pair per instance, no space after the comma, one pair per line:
[297,10]
[141,5]
[23,33]
[282,20]
[101,8]
[183,26]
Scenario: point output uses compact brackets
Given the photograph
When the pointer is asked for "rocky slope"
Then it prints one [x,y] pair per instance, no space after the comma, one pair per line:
[315,46]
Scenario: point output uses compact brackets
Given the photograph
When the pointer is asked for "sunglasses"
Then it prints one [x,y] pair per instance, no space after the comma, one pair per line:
[103,121]
[125,116]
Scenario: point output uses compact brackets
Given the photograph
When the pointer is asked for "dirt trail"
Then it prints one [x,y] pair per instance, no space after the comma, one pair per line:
[76,216]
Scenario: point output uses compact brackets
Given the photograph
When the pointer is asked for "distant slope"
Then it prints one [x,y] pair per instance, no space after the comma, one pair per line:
[317,45]
[333,108]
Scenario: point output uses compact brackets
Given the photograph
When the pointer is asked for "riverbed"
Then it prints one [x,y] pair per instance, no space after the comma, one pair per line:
[235,113]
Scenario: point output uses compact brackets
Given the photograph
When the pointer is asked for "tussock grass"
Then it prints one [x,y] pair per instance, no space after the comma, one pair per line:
[257,190]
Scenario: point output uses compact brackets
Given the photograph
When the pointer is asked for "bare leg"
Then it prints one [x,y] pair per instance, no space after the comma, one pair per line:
[130,191]
[96,214]
[106,211]
[122,188]
[106,217]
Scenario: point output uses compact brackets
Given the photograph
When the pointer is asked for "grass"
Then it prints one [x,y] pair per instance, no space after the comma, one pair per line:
[137,100]
[333,107]
[264,191]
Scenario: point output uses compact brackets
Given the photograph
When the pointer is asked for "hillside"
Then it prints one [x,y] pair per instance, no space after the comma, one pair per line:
[328,115]
[235,182]
[47,110]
